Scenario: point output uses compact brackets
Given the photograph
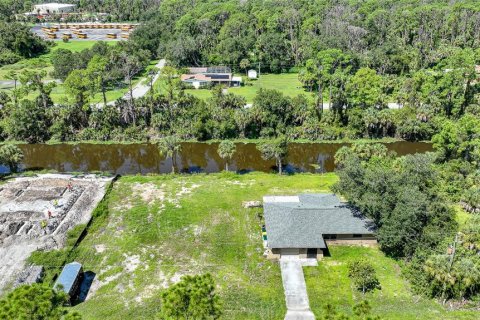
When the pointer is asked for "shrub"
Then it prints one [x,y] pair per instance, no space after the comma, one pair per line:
[363,276]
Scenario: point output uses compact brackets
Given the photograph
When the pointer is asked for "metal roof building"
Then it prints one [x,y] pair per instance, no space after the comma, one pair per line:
[306,220]
[53,8]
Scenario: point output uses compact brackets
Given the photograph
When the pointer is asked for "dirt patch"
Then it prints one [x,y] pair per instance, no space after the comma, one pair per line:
[97,284]
[100,248]
[149,192]
[131,263]
[332,263]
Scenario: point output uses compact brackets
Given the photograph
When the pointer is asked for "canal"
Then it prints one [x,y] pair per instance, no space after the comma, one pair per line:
[194,157]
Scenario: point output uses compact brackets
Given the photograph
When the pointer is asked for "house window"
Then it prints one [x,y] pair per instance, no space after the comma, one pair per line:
[357,235]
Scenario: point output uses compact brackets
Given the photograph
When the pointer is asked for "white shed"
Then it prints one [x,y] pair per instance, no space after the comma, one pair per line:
[252,74]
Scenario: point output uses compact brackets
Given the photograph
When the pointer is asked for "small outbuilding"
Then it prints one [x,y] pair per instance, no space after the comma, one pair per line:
[236,81]
[252,74]
[70,279]
[304,225]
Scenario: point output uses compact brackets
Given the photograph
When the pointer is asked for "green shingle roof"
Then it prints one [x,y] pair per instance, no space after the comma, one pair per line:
[302,224]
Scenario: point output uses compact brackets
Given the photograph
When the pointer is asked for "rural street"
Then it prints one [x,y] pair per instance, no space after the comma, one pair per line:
[142,88]
[296,296]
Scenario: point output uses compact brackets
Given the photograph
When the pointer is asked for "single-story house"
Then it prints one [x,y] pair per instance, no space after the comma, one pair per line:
[53,8]
[201,77]
[304,225]
[70,279]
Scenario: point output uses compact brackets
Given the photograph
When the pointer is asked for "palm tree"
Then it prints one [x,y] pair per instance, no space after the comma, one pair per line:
[275,150]
[226,150]
[169,147]
[11,155]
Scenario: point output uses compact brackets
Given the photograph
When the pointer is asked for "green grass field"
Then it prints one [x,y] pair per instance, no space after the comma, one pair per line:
[329,283]
[77,46]
[287,83]
[151,230]
[43,62]
[58,94]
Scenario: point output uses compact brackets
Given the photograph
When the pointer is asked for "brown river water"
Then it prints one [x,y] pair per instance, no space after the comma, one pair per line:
[194,157]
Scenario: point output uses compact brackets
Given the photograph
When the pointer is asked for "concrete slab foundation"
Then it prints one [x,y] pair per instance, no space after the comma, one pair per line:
[37,212]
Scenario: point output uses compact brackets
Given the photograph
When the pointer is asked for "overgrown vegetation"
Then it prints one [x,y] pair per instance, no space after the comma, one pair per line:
[17,42]
[193,297]
[359,57]
[153,230]
[410,201]
[363,276]
[36,301]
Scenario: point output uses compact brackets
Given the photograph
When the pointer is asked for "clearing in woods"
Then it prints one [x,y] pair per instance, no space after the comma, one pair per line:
[152,230]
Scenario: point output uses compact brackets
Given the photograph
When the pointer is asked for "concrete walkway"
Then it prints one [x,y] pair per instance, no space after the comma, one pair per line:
[296,296]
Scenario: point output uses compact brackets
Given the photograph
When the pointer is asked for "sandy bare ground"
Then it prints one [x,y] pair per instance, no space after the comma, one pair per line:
[37,212]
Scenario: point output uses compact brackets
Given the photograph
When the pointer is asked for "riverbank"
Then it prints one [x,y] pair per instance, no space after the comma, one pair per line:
[214,141]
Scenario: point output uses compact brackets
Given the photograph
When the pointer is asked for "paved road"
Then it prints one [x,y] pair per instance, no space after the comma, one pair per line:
[142,88]
[296,296]
[10,84]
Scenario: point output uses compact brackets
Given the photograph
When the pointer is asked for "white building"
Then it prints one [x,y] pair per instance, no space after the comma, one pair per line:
[252,74]
[53,8]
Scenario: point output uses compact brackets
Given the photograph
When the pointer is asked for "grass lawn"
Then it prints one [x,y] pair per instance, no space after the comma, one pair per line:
[287,83]
[329,283]
[77,46]
[161,227]
[151,230]
[43,62]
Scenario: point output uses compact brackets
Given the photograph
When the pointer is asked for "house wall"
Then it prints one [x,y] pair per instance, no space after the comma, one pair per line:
[348,239]
[276,253]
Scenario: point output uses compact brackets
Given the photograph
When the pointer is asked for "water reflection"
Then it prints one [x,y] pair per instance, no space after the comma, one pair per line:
[194,157]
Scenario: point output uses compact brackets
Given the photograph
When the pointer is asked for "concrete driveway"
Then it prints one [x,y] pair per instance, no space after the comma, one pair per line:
[296,296]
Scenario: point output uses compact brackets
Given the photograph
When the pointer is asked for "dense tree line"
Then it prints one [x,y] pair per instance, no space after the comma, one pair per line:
[409,200]
[357,57]
[391,37]
[114,10]
[171,111]
[17,42]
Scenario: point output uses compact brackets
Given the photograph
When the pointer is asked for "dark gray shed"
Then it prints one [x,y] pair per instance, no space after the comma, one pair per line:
[70,278]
